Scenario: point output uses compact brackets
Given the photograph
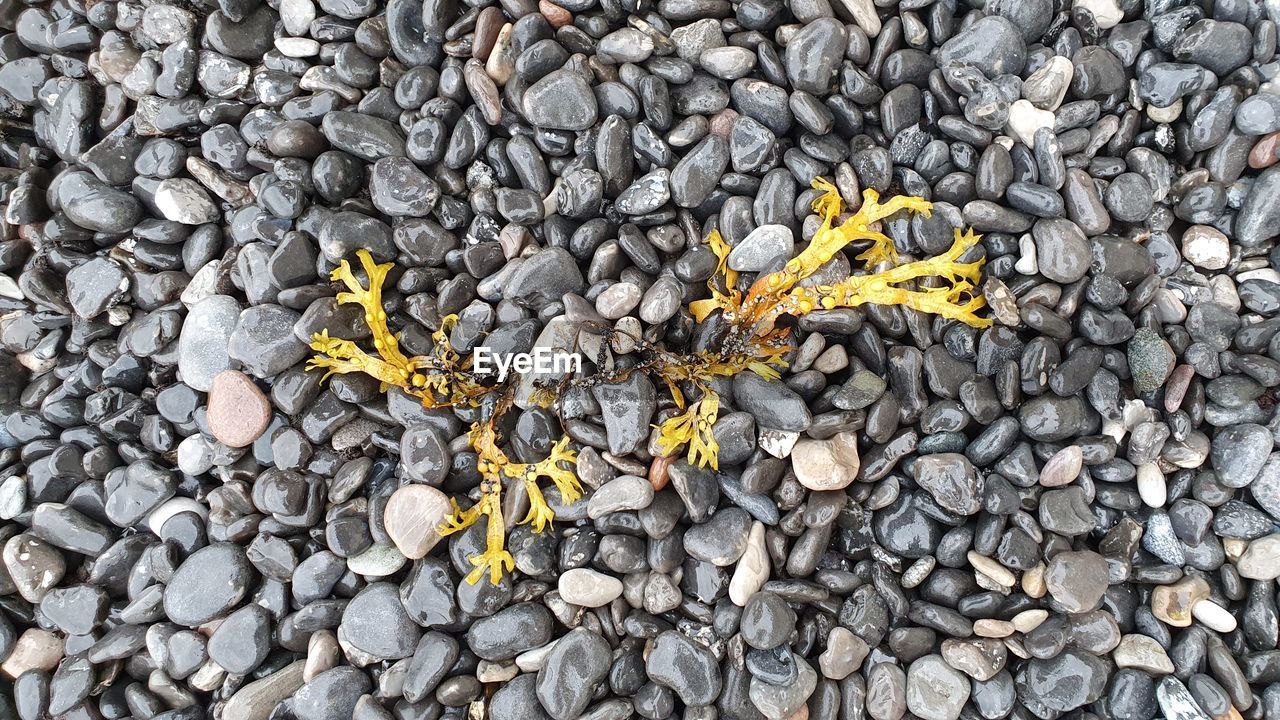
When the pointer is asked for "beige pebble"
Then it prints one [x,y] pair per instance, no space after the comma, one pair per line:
[1028,620]
[36,650]
[989,628]
[1033,582]
[992,569]
[413,517]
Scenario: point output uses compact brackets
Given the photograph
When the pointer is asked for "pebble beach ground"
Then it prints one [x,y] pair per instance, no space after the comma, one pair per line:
[1072,513]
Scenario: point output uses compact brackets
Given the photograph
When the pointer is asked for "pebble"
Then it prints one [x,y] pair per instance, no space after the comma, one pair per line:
[588,588]
[822,465]
[238,412]
[413,517]
[935,690]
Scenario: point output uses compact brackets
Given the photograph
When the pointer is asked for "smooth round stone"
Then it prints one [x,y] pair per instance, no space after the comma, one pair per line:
[935,690]
[1077,580]
[588,588]
[211,581]
[993,45]
[1062,251]
[238,412]
[561,100]
[830,464]
[722,539]
[767,621]
[1069,680]
[688,669]
[571,673]
[375,622]
[844,654]
[424,455]
[1151,360]
[762,248]
[1142,652]
[242,641]
[95,286]
[1206,247]
[413,517]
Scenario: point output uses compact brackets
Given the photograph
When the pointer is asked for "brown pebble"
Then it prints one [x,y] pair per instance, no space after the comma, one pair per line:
[238,411]
[1175,388]
[556,15]
[658,471]
[487,27]
[722,122]
[1263,154]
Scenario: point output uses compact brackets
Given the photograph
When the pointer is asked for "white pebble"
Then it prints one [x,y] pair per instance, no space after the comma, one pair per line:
[171,507]
[1027,263]
[1151,485]
[1025,119]
[753,567]
[1106,13]
[1213,616]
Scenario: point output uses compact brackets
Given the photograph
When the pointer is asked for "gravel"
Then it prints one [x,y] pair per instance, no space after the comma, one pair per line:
[1075,511]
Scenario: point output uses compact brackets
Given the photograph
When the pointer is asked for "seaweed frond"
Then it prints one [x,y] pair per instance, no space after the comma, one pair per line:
[495,467]
[694,427]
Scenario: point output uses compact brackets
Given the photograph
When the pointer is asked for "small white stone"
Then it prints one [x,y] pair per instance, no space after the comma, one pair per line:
[864,14]
[918,571]
[195,456]
[1025,119]
[1055,75]
[989,628]
[9,288]
[36,649]
[1106,13]
[1142,652]
[297,15]
[531,661]
[297,47]
[1213,616]
[490,672]
[1206,247]
[378,561]
[184,201]
[203,284]
[753,567]
[171,507]
[778,443]
[1152,487]
[1265,273]
[587,588]
[167,24]
[992,569]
